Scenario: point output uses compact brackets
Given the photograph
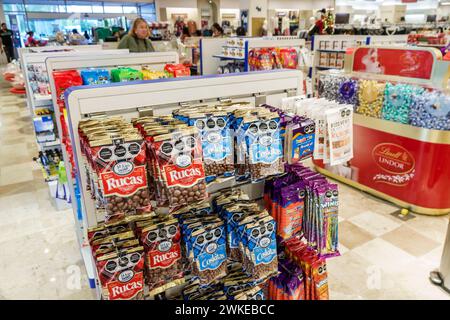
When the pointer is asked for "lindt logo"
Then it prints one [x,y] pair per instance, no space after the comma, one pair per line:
[393,158]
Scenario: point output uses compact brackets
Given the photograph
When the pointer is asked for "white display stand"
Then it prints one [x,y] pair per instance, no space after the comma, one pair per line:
[49,48]
[340,43]
[162,97]
[107,60]
[211,48]
[392,40]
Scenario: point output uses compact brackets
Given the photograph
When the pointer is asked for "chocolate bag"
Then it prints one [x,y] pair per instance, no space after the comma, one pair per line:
[121,274]
[123,177]
[163,261]
[208,252]
[217,144]
[179,163]
[264,147]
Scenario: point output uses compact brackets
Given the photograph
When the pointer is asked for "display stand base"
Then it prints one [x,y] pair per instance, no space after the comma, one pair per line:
[436,279]
[381,195]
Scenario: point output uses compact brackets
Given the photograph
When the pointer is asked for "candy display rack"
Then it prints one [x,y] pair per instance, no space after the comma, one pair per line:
[161,97]
[105,60]
[399,162]
[211,50]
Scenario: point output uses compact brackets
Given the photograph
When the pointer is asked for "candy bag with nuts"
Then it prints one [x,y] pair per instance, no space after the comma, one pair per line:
[121,274]
[179,161]
[208,252]
[123,177]
[163,262]
[264,146]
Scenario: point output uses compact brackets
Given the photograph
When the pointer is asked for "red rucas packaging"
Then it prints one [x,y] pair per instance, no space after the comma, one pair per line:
[163,260]
[122,172]
[121,274]
[179,166]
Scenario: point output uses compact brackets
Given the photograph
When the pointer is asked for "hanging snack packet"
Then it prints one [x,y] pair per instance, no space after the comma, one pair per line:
[208,253]
[290,216]
[320,280]
[217,144]
[264,145]
[162,248]
[122,175]
[330,206]
[179,164]
[121,274]
[340,134]
[260,248]
[299,144]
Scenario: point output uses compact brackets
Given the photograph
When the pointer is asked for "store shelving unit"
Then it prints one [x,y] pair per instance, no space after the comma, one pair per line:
[161,97]
[38,56]
[328,44]
[417,158]
[106,60]
[210,50]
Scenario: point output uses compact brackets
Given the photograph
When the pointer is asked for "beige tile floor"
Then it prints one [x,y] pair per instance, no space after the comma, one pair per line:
[381,256]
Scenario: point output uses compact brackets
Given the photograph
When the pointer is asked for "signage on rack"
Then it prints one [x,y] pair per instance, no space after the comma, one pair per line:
[394,62]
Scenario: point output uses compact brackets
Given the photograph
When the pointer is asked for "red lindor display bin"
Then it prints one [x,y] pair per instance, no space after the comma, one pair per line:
[404,164]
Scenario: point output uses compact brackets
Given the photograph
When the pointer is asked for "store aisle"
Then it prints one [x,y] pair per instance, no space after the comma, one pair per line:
[40,257]
[382,256]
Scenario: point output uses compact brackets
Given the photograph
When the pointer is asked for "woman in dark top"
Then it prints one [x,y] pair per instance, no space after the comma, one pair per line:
[217,30]
[137,39]
[6,40]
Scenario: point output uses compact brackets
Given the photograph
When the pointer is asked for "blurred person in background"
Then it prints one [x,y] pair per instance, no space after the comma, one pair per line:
[6,42]
[137,39]
[217,30]
[76,38]
[31,41]
[240,31]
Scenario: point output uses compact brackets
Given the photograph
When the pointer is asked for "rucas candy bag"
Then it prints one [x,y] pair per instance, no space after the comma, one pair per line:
[163,261]
[121,274]
[122,174]
[179,163]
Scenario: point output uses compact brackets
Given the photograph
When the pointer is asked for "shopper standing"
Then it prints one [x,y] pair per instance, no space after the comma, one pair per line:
[6,42]
[137,39]
[31,41]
